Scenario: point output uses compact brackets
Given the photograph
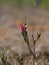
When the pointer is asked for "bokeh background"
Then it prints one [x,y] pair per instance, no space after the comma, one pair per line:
[14,12]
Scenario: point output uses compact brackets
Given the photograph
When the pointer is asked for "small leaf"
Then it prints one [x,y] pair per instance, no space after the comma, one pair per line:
[38,35]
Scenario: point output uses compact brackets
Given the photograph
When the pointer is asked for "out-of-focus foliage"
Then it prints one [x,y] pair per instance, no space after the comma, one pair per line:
[41,3]
[4,60]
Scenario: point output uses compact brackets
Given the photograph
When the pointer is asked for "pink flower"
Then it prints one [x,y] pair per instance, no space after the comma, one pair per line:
[23,27]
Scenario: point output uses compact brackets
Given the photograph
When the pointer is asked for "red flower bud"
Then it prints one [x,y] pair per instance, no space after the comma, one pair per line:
[23,27]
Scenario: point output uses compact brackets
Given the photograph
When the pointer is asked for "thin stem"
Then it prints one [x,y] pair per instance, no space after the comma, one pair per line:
[34,42]
[34,54]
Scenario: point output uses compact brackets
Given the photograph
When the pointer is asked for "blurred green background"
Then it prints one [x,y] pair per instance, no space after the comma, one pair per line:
[22,3]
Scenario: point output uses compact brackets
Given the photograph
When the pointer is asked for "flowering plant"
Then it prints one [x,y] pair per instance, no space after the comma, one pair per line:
[25,36]
[23,28]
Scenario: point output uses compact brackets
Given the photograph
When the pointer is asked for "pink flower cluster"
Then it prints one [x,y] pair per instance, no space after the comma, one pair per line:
[23,27]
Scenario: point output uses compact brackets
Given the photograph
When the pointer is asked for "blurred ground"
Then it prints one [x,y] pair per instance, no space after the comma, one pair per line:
[10,35]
